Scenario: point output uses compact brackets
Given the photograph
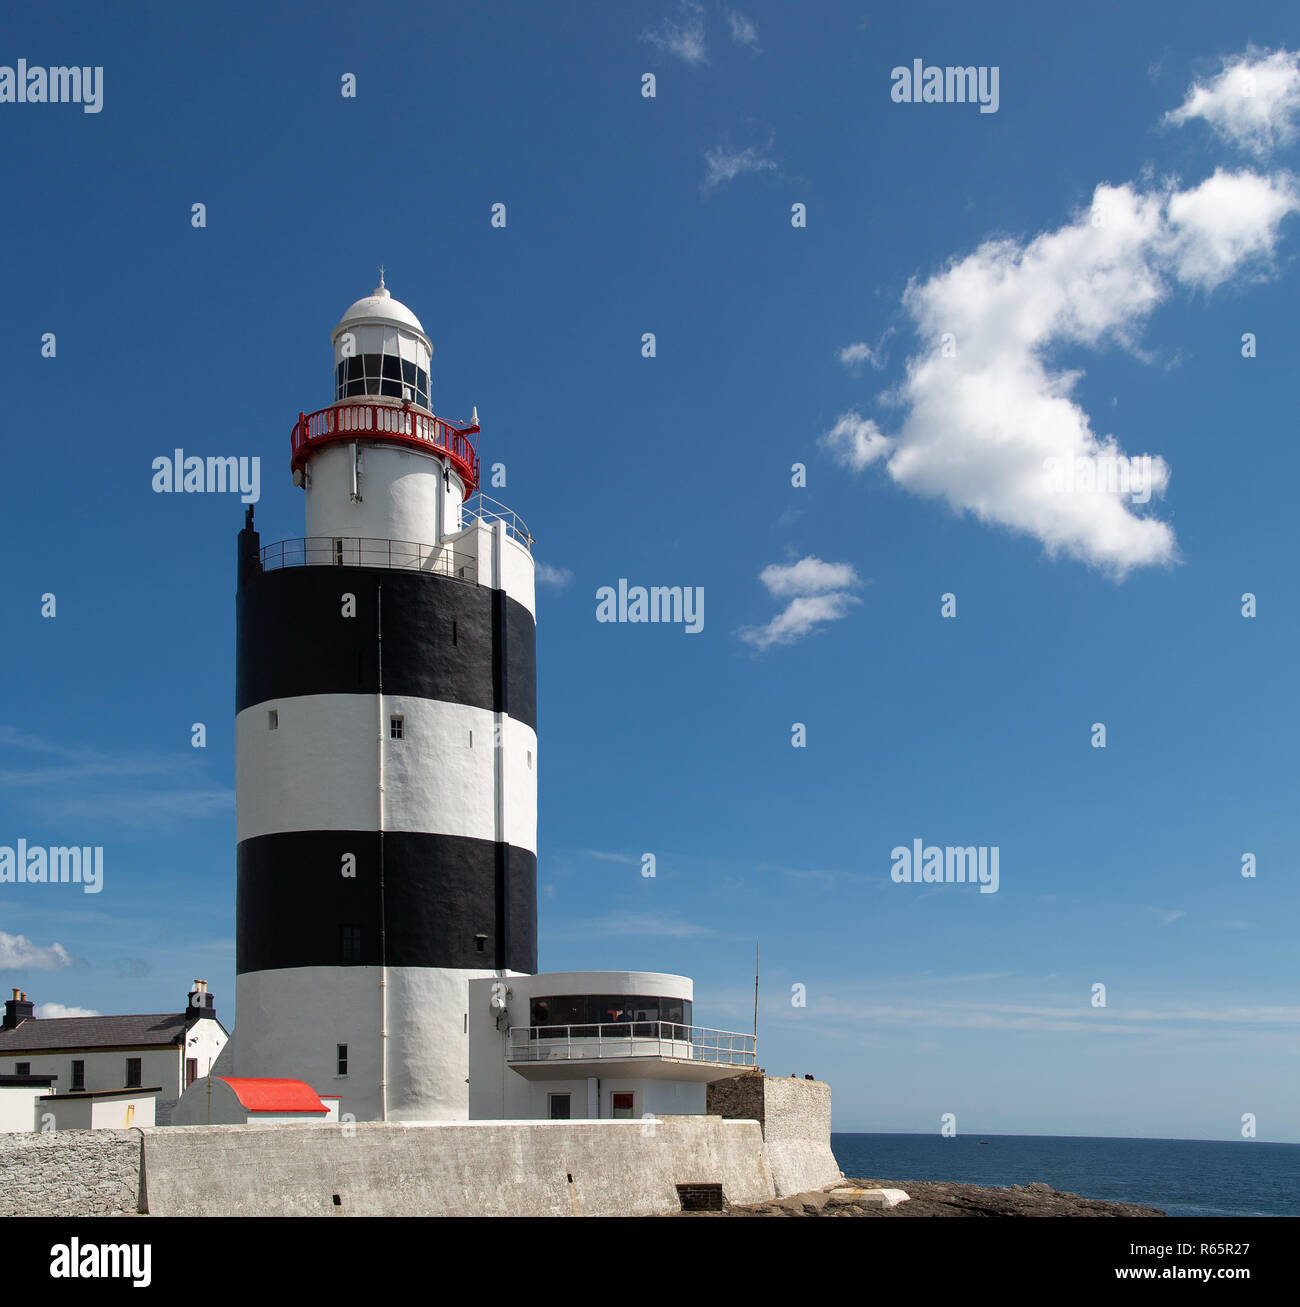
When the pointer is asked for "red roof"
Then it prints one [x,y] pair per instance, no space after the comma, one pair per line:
[265,1095]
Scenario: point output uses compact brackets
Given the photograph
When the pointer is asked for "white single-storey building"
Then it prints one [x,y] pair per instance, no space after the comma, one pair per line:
[246,1100]
[96,1109]
[568,1045]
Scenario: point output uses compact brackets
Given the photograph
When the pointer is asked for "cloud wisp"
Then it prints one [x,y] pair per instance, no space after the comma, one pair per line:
[724,164]
[817,593]
[684,39]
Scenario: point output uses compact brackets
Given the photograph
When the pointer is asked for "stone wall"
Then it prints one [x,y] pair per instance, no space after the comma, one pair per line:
[739,1098]
[70,1173]
[795,1117]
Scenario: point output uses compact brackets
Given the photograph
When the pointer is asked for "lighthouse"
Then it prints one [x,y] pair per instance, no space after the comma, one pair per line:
[386,745]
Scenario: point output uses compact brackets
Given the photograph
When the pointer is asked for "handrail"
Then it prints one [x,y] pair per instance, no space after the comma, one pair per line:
[631,1039]
[348,420]
[489,510]
[357,551]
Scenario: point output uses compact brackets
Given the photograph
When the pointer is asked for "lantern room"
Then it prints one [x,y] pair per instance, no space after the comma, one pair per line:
[380,349]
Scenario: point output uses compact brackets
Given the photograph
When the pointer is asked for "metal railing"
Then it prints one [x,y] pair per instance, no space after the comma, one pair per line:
[354,551]
[348,421]
[631,1039]
[486,509]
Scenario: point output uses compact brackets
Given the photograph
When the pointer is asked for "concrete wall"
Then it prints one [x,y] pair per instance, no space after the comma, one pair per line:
[70,1173]
[560,1168]
[795,1117]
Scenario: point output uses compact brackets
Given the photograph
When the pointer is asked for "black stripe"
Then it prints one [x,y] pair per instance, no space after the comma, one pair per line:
[440,892]
[443,639]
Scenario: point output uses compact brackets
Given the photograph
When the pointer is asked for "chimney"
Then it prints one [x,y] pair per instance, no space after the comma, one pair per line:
[199,1003]
[17,1010]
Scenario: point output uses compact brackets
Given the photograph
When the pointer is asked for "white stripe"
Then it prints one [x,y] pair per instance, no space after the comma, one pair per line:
[318,769]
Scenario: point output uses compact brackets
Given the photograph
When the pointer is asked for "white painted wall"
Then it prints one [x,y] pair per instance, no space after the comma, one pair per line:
[17,1107]
[76,1113]
[291,1021]
[402,494]
[317,769]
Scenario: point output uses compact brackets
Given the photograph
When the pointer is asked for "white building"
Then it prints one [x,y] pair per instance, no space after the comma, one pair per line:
[141,1061]
[230,1100]
[569,1045]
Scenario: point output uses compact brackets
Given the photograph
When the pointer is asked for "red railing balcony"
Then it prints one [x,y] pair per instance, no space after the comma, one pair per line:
[397,424]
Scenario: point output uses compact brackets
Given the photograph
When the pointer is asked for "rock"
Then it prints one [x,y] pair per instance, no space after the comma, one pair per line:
[933,1198]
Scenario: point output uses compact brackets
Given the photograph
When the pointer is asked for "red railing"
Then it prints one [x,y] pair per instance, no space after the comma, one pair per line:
[403,426]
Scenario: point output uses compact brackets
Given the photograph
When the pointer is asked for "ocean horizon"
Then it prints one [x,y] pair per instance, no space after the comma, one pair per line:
[1182,1177]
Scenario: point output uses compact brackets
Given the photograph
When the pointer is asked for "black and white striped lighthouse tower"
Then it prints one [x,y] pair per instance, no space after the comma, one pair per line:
[386,746]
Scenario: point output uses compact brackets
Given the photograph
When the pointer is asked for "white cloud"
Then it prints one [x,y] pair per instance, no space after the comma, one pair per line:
[987,412]
[726,165]
[559,577]
[1229,222]
[51,1011]
[18,953]
[1253,103]
[818,594]
[855,355]
[808,576]
[856,441]
[743,32]
[684,39]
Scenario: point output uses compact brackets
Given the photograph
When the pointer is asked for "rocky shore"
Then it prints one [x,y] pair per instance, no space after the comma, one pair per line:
[937,1198]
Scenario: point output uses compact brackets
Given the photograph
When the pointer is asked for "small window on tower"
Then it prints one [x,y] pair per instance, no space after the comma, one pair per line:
[273,720]
[480,943]
[78,1075]
[396,728]
[530,760]
[133,1073]
[350,946]
[338,551]
[342,1059]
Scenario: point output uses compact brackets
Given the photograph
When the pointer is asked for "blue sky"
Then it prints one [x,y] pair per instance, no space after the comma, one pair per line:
[1078,314]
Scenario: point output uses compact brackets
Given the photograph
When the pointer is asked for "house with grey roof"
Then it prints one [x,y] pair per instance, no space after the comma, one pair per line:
[97,1065]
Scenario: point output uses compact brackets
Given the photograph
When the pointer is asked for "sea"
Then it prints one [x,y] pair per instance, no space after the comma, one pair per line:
[1183,1177]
